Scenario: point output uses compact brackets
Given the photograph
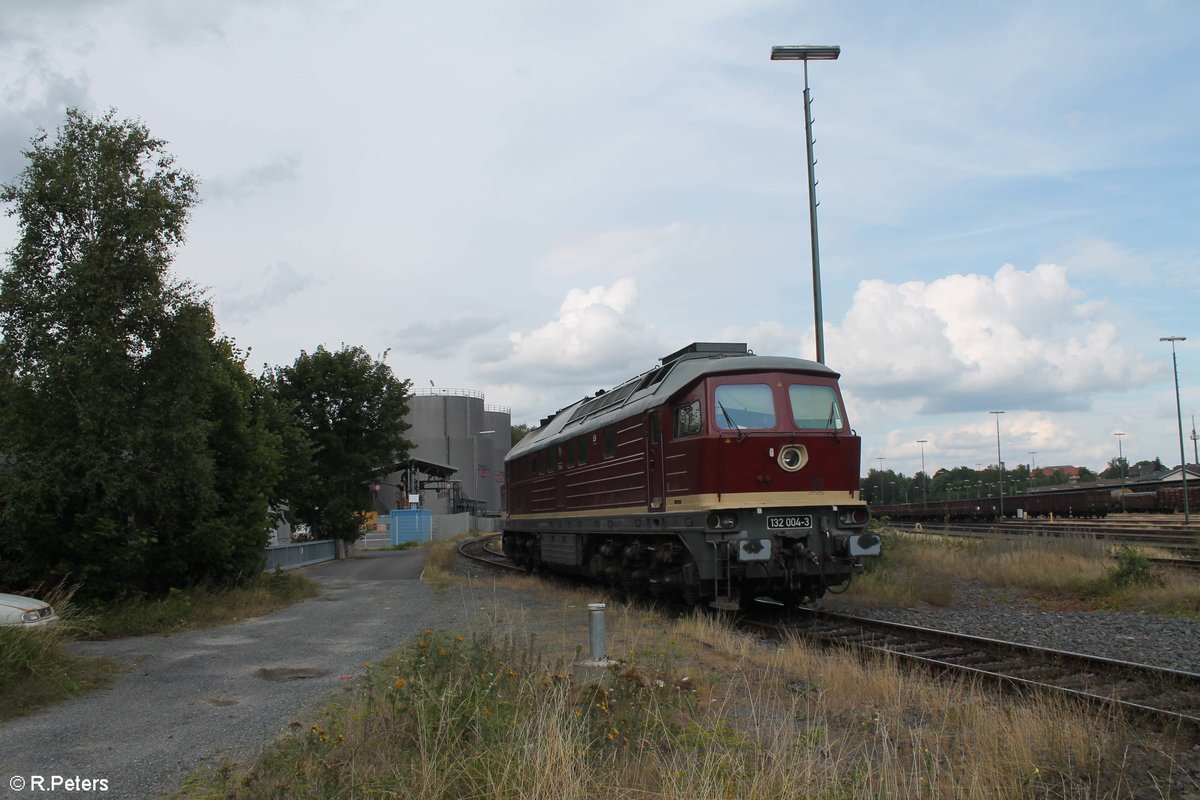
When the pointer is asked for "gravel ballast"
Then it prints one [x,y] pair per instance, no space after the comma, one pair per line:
[1142,638]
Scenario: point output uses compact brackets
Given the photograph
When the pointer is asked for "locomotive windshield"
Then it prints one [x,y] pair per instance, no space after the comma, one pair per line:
[815,407]
[745,406]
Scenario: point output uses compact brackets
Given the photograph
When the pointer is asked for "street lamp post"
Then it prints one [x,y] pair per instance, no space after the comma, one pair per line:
[999,462]
[1179,417]
[924,477]
[1121,460]
[880,459]
[808,53]
[1032,464]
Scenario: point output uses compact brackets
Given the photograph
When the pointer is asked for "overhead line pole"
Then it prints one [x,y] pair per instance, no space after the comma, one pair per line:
[999,462]
[1179,417]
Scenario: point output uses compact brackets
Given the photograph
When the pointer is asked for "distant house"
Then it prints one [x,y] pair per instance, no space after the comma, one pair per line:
[1176,475]
[1068,470]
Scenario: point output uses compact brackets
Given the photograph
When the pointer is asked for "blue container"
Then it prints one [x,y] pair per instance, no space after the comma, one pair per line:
[410,525]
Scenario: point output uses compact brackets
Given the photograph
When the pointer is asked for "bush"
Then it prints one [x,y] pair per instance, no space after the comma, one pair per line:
[1132,568]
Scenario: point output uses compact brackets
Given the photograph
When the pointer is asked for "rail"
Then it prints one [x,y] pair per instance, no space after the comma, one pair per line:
[1139,688]
[1177,539]
[482,551]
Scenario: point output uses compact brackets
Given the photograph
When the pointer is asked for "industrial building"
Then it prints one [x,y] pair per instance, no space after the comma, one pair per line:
[456,463]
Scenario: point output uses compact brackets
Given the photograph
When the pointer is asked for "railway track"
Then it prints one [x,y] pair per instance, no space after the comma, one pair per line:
[1163,694]
[1175,539]
[1159,693]
[484,551]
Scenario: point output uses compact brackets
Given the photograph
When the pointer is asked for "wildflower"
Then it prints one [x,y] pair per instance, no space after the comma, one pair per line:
[400,683]
[441,651]
[487,712]
[458,638]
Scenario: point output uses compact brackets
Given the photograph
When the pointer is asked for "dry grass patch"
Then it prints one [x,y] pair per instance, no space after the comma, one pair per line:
[923,569]
[442,564]
[693,710]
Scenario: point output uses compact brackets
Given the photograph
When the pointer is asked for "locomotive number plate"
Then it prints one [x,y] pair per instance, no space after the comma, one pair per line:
[786,523]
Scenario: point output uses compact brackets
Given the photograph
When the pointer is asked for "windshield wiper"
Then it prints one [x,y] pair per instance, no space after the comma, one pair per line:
[729,419]
[829,422]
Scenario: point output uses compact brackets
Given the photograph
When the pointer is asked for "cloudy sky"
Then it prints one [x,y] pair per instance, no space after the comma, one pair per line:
[539,199]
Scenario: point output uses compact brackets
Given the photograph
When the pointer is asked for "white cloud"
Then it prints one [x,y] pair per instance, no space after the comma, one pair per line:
[594,342]
[1018,339]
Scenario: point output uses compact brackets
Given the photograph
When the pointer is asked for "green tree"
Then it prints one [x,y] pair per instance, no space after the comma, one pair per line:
[135,457]
[1148,467]
[352,409]
[1116,468]
[519,432]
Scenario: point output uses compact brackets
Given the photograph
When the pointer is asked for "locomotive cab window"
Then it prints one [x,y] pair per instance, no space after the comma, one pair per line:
[687,420]
[744,406]
[815,407]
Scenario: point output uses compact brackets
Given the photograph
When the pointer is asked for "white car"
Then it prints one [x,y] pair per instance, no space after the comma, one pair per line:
[25,611]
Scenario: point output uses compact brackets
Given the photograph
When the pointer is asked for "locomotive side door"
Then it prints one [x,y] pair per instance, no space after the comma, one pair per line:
[654,461]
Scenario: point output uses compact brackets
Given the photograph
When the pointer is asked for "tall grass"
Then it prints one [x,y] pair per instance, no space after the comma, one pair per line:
[442,561]
[494,715]
[201,606]
[917,569]
[35,669]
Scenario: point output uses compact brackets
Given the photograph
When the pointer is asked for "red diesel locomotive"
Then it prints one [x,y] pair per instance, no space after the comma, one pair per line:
[718,476]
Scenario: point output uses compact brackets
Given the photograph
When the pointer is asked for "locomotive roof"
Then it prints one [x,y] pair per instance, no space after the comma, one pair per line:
[678,371]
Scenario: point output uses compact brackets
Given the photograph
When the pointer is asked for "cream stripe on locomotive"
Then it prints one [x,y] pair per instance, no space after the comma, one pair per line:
[715,502]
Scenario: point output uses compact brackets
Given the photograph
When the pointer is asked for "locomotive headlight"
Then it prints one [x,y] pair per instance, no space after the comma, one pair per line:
[725,520]
[854,517]
[793,457]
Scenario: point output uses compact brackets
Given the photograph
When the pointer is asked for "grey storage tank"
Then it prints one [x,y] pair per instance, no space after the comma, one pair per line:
[456,427]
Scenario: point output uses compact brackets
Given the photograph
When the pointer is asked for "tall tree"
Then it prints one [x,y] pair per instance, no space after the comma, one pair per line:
[353,410]
[519,432]
[134,456]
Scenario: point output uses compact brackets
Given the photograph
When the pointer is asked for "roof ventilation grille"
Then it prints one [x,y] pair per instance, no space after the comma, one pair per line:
[706,350]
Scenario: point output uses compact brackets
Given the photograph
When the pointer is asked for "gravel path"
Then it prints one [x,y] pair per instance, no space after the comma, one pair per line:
[189,699]
[1127,636]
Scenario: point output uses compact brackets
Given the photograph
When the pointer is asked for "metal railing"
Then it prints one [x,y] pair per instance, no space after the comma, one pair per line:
[448,393]
[300,554]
